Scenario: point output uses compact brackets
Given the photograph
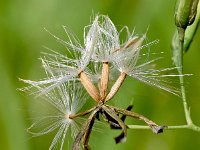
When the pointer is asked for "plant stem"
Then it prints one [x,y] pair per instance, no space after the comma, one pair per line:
[72,116]
[143,127]
[184,16]
[181,78]
[185,105]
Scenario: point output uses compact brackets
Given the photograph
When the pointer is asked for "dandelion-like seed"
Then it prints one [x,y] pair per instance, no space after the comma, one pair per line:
[67,99]
[61,68]
[93,66]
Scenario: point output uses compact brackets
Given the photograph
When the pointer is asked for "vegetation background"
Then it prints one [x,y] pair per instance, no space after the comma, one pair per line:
[22,36]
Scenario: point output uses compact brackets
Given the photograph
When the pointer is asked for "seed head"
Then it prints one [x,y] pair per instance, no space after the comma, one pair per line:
[94,63]
[61,68]
[67,99]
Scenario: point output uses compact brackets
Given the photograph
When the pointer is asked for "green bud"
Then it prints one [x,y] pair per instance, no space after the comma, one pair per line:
[193,11]
[191,30]
[185,12]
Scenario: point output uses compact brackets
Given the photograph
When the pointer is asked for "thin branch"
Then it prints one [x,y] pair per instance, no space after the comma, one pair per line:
[112,113]
[141,127]
[84,133]
[72,116]
[155,128]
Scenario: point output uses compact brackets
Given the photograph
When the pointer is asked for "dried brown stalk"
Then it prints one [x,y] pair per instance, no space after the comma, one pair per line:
[85,132]
[72,116]
[112,113]
[155,128]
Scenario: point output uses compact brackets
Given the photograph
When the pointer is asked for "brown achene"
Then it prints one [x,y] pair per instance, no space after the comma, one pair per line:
[110,113]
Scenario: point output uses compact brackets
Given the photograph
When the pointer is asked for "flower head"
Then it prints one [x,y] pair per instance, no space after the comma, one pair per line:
[130,57]
[131,60]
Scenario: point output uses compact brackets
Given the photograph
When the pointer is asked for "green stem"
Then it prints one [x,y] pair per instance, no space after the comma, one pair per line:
[179,64]
[177,44]
[143,127]
[181,78]
[185,105]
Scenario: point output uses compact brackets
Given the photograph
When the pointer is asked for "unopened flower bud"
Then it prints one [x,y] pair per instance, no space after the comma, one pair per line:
[185,12]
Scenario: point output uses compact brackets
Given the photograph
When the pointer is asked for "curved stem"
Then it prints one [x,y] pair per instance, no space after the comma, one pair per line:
[178,50]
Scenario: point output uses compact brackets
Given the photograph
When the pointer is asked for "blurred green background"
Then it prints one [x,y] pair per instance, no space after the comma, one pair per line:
[22,36]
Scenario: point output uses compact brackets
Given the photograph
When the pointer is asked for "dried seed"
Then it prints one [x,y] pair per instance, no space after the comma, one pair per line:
[89,86]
